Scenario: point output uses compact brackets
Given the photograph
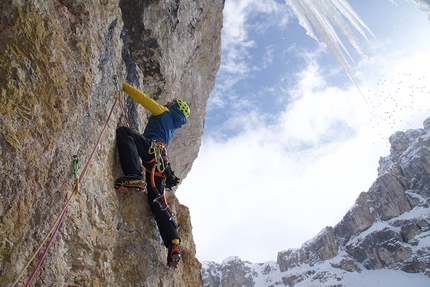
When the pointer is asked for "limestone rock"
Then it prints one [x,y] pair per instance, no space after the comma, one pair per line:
[346,264]
[382,248]
[387,228]
[320,248]
[57,63]
[236,273]
[402,185]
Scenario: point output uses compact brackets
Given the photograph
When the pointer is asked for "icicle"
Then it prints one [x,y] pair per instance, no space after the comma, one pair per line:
[301,16]
[323,14]
[337,19]
[352,16]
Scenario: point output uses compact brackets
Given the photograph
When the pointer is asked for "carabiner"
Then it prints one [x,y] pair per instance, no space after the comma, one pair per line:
[75,166]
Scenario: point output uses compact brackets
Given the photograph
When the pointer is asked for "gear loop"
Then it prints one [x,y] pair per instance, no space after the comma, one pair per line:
[158,149]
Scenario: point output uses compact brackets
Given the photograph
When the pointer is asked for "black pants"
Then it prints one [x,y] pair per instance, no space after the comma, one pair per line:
[132,147]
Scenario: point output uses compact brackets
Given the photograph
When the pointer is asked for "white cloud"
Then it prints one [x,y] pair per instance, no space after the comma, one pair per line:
[237,14]
[236,43]
[283,182]
[268,57]
[284,177]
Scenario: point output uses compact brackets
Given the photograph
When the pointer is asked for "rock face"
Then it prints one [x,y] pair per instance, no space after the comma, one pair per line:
[234,272]
[57,63]
[387,228]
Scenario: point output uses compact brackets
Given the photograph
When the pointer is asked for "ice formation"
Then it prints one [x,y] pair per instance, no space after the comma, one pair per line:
[324,16]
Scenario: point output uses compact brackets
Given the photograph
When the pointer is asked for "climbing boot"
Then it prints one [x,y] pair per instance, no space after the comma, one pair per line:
[174,255]
[129,183]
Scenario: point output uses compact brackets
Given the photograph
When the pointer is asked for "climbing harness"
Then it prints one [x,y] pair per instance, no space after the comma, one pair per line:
[158,149]
[161,159]
[160,198]
[54,229]
[160,165]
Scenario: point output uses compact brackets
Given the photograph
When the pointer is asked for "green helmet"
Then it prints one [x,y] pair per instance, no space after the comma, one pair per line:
[183,106]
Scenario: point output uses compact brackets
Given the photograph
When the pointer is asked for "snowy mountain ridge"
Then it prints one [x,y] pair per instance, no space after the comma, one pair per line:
[383,240]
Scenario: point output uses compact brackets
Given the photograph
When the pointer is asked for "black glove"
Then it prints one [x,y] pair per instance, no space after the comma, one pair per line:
[171,179]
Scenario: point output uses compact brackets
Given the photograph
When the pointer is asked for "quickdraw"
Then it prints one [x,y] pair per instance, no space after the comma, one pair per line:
[54,229]
[158,149]
[75,172]
[115,82]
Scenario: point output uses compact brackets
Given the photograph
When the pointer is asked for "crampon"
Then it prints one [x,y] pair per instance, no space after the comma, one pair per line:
[174,256]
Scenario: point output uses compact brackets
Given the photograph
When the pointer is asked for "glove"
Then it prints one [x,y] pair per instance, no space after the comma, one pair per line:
[171,179]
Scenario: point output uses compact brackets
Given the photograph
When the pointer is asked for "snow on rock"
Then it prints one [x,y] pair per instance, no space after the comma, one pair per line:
[383,240]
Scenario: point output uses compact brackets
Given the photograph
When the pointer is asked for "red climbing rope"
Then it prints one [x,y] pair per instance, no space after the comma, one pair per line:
[49,242]
[61,217]
[70,198]
[98,140]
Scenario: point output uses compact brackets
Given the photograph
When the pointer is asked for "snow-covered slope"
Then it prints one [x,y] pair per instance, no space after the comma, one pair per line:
[268,275]
[383,240]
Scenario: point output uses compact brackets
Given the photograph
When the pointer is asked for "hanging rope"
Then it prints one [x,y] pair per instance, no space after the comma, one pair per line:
[61,216]
[55,226]
[98,140]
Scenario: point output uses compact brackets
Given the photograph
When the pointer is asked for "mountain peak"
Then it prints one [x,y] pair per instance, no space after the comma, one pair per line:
[383,239]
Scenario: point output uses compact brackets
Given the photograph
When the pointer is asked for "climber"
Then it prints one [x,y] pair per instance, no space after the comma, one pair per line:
[150,148]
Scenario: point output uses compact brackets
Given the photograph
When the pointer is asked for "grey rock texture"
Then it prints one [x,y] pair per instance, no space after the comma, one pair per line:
[388,227]
[57,63]
[403,184]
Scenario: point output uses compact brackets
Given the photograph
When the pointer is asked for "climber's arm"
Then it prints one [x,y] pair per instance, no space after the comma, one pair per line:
[152,106]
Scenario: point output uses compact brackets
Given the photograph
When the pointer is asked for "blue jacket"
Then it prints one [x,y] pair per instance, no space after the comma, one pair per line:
[163,126]
[164,122]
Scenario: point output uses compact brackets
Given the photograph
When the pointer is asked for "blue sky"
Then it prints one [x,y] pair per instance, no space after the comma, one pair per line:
[289,142]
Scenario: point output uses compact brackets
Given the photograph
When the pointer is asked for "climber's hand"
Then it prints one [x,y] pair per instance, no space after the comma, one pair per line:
[171,179]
